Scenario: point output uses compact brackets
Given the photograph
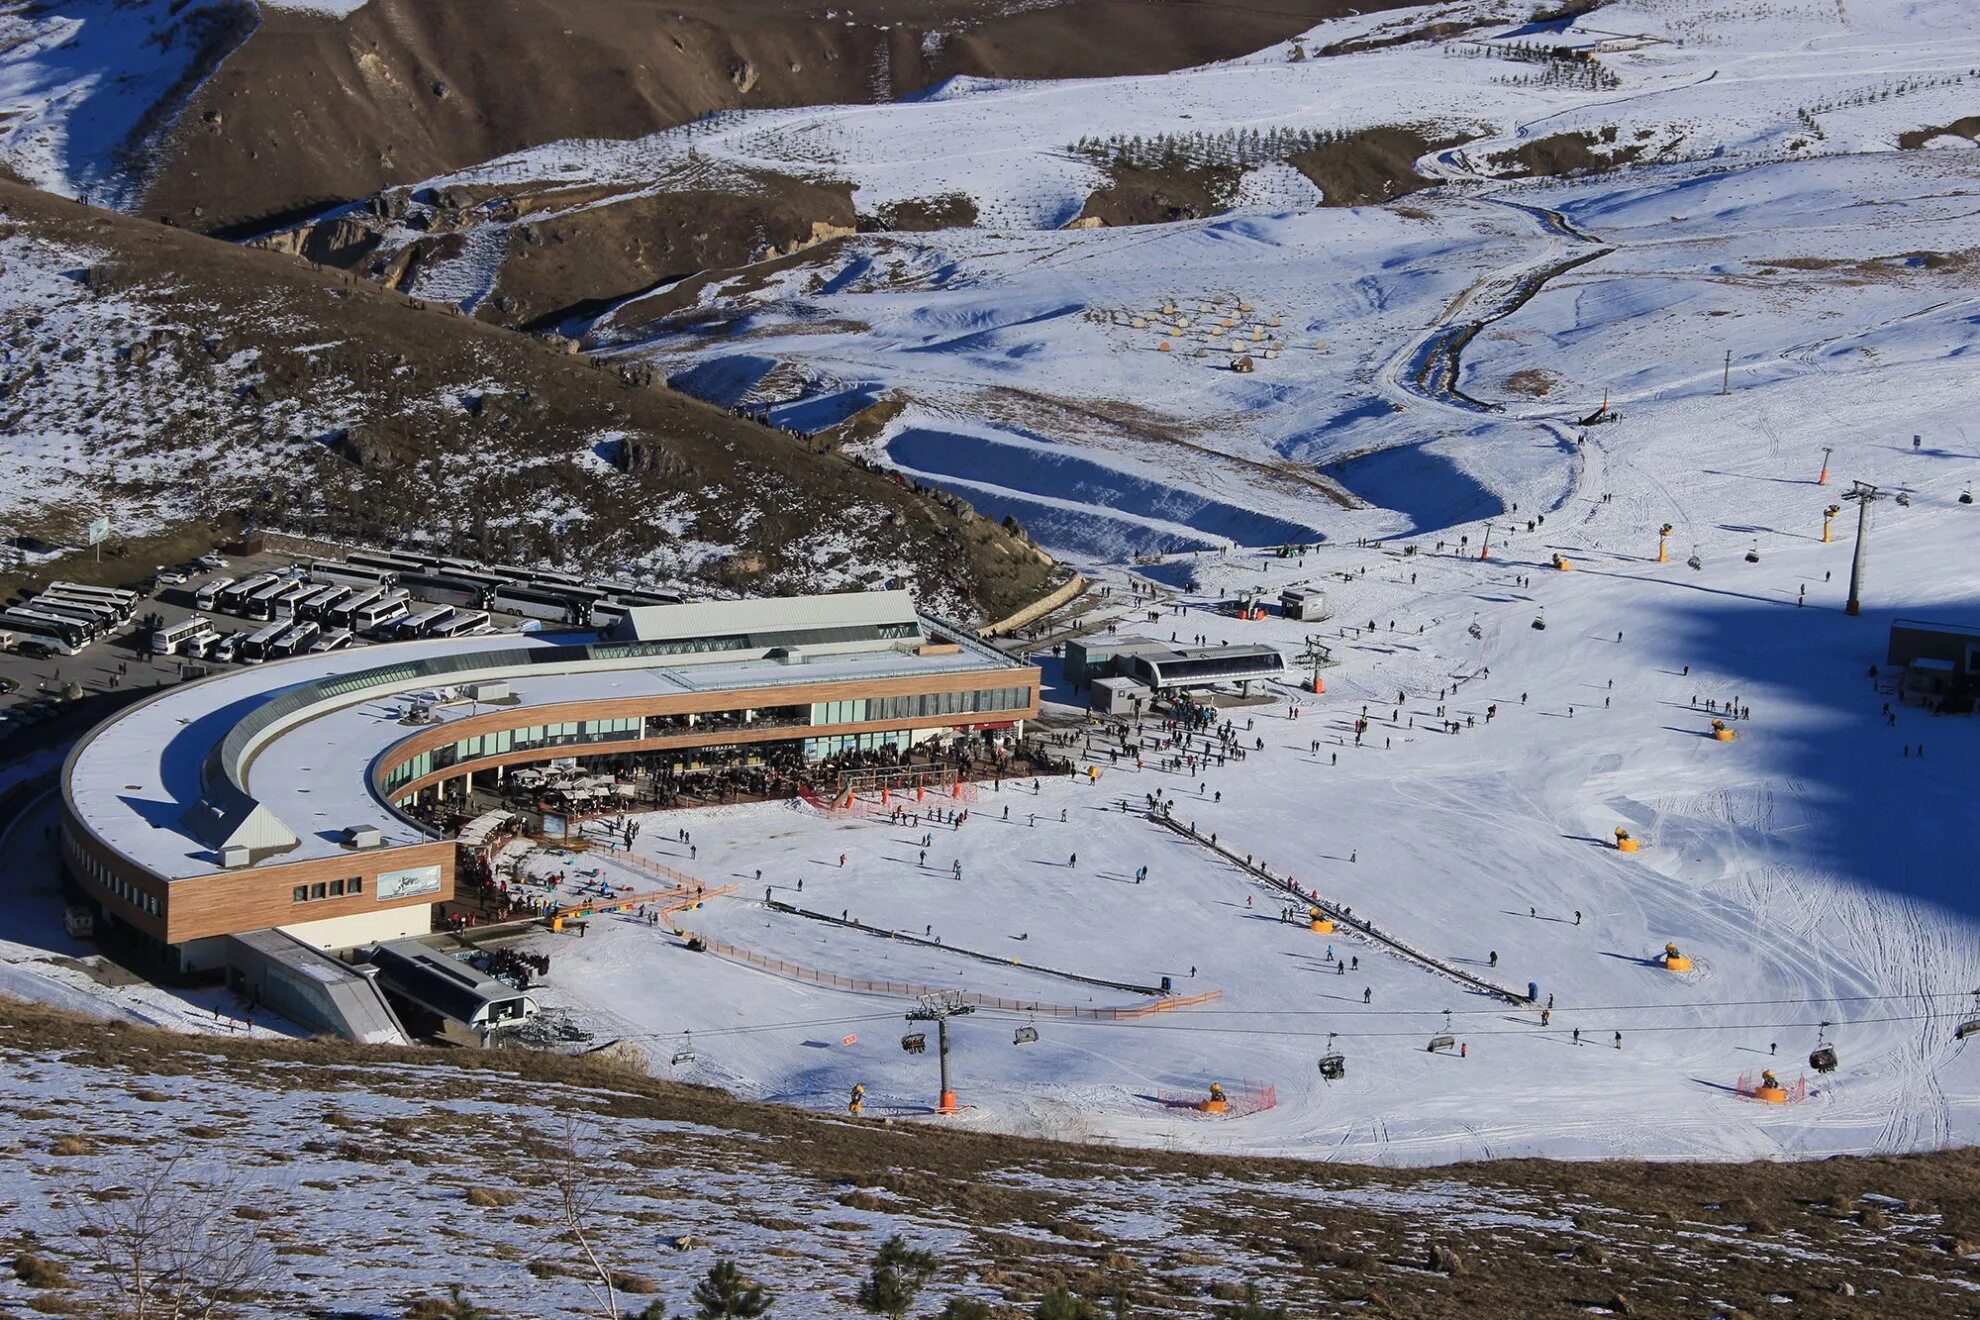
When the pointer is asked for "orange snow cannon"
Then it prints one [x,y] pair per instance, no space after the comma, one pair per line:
[1675,961]
[1318,922]
[1216,1104]
[1723,732]
[1625,841]
[1770,1089]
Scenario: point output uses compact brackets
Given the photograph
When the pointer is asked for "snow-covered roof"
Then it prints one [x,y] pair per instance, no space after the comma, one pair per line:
[174,779]
[719,619]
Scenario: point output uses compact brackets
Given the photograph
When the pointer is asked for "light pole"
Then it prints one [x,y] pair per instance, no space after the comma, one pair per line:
[1864,494]
[1823,479]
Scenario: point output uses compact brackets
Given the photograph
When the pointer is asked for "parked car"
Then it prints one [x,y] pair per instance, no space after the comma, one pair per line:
[225,649]
[211,562]
[171,577]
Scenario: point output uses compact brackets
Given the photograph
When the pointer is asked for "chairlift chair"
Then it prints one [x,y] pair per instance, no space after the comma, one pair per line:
[914,1042]
[1333,1067]
[1904,500]
[1540,620]
[1823,1057]
[1026,1034]
[1753,555]
[684,1052]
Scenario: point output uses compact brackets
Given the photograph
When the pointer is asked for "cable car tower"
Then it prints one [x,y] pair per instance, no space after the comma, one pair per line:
[939,1008]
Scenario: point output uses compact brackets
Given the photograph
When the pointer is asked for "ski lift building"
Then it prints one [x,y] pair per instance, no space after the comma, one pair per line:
[1304,604]
[1937,661]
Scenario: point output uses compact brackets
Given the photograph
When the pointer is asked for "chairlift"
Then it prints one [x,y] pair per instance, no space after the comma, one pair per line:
[684,1052]
[1823,1057]
[1753,555]
[1966,497]
[915,1042]
[1477,633]
[1026,1034]
[1540,620]
[1695,562]
[1970,1027]
[1333,1067]
[1904,500]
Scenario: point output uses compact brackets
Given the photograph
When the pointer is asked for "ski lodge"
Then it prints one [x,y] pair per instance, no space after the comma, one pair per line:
[1937,663]
[299,795]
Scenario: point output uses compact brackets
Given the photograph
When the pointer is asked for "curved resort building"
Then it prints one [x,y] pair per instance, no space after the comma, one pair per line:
[290,795]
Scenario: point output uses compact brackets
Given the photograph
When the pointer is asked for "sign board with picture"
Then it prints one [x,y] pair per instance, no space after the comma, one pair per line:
[410,883]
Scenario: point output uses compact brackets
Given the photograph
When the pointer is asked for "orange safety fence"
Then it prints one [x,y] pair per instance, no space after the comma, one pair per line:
[668,900]
[811,976]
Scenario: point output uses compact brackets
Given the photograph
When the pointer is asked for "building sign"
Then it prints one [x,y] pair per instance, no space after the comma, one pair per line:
[394,885]
[99,530]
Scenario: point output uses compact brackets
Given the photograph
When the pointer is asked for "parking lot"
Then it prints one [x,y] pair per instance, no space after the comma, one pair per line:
[45,690]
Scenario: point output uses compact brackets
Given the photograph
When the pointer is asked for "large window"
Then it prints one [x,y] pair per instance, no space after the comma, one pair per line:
[567,734]
[818,749]
[925,705]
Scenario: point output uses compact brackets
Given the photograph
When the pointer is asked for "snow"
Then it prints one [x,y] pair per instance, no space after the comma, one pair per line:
[339,9]
[80,84]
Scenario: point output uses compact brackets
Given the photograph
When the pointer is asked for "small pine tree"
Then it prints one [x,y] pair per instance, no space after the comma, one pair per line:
[457,1306]
[1062,1305]
[1251,1308]
[965,1308]
[653,1310]
[724,1294]
[899,1275]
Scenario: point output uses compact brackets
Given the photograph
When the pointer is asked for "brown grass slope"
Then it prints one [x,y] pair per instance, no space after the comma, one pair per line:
[1834,1238]
[313,111]
[366,416]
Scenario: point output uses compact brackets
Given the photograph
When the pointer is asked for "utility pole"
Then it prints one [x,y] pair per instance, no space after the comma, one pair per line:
[939,1008]
[1864,494]
[1485,544]
[1726,382]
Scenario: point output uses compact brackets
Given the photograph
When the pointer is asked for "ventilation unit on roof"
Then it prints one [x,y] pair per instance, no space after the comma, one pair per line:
[362,836]
[787,655]
[494,690]
[234,854]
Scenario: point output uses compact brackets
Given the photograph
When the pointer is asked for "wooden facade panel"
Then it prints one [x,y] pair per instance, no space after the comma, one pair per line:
[255,897]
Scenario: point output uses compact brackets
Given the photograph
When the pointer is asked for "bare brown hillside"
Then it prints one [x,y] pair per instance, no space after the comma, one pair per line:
[173,381]
[311,111]
[451,1159]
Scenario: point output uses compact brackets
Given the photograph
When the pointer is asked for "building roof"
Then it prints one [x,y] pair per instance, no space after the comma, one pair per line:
[1948,629]
[359,1010]
[169,781]
[821,615]
[445,985]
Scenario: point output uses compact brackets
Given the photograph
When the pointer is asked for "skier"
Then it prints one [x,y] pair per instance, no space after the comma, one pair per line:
[1367,994]
[1577,916]
[1072,862]
[1495,957]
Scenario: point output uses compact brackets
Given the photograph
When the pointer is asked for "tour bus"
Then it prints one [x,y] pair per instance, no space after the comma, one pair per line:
[199,646]
[556,604]
[284,602]
[444,590]
[168,640]
[317,604]
[606,613]
[296,640]
[256,647]
[334,640]
[110,612]
[377,616]
[349,575]
[388,560]
[419,625]
[208,594]
[124,602]
[62,635]
[233,599]
[103,618]
[257,604]
[628,596]
[342,611]
[462,624]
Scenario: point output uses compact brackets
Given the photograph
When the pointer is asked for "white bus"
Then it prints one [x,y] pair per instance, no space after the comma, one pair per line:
[233,598]
[463,624]
[375,617]
[168,640]
[557,605]
[295,641]
[103,618]
[342,612]
[419,625]
[257,647]
[125,602]
[347,574]
[208,594]
[334,640]
[65,636]
[316,605]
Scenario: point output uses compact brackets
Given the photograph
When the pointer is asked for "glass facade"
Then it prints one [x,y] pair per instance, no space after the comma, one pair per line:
[857,710]
[862,710]
[817,749]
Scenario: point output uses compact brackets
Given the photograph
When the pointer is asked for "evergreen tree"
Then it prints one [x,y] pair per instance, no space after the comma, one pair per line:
[724,1294]
[1251,1308]
[899,1275]
[965,1308]
[1062,1305]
